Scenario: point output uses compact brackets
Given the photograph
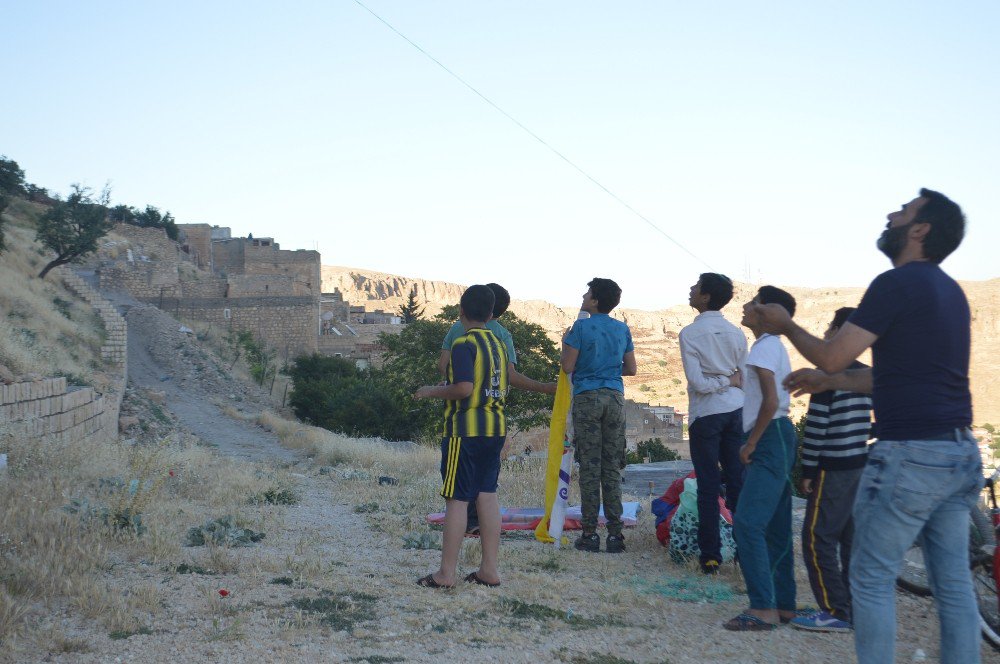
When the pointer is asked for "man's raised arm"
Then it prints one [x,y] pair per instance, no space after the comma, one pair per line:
[812,381]
[830,356]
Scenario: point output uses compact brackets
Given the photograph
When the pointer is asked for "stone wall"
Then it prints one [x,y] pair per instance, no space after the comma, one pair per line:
[243,256]
[139,279]
[145,265]
[48,408]
[243,285]
[203,287]
[196,239]
[114,351]
[287,324]
[300,266]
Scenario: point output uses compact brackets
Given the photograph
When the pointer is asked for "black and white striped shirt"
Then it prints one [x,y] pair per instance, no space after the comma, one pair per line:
[838,427]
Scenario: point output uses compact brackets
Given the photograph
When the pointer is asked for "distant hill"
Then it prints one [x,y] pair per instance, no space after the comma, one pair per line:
[661,378]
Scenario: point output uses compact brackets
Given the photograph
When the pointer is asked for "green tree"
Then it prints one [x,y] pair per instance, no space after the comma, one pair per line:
[37,194]
[11,177]
[259,356]
[654,449]
[537,358]
[71,228]
[122,214]
[151,218]
[410,360]
[4,202]
[796,477]
[11,184]
[411,311]
[333,393]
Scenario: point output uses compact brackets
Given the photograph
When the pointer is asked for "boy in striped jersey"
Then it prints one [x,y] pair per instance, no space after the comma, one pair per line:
[517,379]
[834,453]
[474,431]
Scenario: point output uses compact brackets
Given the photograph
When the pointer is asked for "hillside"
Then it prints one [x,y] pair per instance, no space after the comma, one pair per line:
[661,378]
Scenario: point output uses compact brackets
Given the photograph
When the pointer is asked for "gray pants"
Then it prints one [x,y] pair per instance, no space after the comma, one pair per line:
[827,533]
[599,436]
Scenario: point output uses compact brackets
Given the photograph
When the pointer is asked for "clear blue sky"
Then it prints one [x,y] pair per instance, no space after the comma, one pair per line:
[770,139]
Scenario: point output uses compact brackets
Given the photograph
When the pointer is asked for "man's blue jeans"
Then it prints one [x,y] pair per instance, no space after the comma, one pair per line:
[762,526]
[714,440]
[911,489]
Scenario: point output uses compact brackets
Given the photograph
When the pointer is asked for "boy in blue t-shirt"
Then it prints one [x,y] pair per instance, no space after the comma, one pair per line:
[475,427]
[598,351]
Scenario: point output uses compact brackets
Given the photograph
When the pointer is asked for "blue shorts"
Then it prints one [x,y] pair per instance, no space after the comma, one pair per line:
[470,466]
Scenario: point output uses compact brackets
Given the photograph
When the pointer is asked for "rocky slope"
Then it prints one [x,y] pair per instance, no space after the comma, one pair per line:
[661,378]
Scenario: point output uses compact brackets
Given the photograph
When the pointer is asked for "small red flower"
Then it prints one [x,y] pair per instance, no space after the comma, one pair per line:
[224,593]
[171,473]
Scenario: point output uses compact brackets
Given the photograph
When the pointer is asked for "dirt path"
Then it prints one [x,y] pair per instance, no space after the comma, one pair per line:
[161,358]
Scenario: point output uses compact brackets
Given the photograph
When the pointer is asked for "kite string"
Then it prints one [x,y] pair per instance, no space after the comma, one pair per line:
[534,135]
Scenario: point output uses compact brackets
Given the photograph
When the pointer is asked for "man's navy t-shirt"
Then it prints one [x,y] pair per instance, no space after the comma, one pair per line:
[921,356]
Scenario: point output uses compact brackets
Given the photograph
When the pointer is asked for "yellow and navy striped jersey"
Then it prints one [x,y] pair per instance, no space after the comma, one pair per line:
[480,358]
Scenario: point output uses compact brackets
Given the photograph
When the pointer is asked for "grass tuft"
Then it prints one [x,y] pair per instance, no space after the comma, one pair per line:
[340,612]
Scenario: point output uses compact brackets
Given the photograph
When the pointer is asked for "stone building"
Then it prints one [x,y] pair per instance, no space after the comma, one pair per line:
[243,284]
[644,421]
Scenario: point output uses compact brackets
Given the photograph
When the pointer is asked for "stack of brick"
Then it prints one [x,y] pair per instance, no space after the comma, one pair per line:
[45,408]
[114,349]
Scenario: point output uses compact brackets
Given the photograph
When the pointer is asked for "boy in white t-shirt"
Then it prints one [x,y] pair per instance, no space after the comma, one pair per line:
[762,525]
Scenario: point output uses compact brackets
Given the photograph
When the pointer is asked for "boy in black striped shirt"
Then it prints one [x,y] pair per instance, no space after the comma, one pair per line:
[834,452]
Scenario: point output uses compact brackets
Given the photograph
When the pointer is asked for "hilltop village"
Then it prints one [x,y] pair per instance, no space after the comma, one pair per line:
[252,284]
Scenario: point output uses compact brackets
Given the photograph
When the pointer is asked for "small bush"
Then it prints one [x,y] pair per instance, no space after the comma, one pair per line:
[422,541]
[275,497]
[221,532]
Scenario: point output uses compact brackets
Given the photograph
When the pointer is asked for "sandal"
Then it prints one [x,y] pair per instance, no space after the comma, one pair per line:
[474,578]
[748,623]
[429,582]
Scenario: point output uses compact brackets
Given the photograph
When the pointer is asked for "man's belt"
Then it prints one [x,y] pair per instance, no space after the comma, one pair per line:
[957,434]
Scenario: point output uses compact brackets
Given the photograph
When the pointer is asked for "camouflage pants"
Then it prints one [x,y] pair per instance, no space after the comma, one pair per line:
[599,436]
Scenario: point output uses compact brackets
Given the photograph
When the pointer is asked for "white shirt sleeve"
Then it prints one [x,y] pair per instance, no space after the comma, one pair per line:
[698,382]
[766,355]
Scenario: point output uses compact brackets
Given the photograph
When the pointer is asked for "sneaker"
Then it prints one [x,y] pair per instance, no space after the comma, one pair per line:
[821,621]
[585,542]
[710,567]
[616,544]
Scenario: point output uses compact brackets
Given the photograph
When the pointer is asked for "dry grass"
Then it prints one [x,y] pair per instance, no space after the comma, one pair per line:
[48,554]
[373,456]
[44,328]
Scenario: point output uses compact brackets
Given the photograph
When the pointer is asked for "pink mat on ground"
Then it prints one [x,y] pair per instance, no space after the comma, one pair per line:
[527,518]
